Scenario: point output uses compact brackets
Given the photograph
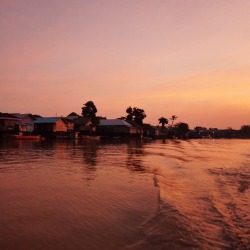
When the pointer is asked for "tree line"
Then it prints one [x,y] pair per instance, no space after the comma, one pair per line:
[168,126]
[137,115]
[134,114]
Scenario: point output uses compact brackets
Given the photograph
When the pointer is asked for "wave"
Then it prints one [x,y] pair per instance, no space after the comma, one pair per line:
[213,223]
[167,229]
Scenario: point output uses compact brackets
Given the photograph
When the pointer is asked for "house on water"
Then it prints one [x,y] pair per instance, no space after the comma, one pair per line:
[51,126]
[116,128]
[8,123]
[26,123]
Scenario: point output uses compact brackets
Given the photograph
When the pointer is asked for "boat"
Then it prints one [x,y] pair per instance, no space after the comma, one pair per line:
[26,137]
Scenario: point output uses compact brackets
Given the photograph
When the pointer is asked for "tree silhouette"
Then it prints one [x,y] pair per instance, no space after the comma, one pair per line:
[130,116]
[139,115]
[89,110]
[163,121]
[135,114]
[245,130]
[173,118]
[182,129]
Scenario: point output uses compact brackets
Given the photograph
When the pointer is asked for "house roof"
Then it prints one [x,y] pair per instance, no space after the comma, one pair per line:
[21,116]
[114,122]
[73,114]
[72,117]
[48,120]
[8,116]
[37,116]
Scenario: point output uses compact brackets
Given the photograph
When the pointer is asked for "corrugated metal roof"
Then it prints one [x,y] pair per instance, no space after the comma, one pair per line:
[47,120]
[114,122]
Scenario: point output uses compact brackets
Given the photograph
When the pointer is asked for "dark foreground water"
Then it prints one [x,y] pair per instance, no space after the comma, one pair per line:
[111,195]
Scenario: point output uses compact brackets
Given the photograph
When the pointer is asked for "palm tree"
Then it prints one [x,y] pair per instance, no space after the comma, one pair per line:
[173,118]
[163,121]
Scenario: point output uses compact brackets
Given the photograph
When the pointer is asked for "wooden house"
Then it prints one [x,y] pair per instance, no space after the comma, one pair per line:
[83,125]
[8,122]
[138,128]
[70,125]
[116,127]
[50,125]
[26,123]
[149,131]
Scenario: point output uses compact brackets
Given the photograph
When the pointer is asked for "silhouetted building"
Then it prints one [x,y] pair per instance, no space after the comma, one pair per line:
[83,125]
[48,125]
[8,122]
[116,127]
[149,131]
[26,124]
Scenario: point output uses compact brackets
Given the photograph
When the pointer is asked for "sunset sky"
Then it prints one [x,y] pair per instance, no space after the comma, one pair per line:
[189,58]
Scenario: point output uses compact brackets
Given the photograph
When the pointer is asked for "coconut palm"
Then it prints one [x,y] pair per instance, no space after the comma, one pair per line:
[163,121]
[173,118]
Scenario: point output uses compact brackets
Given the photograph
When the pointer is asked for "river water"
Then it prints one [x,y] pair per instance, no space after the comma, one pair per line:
[172,194]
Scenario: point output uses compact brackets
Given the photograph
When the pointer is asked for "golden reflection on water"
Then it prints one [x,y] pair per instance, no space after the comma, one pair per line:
[108,195]
[206,183]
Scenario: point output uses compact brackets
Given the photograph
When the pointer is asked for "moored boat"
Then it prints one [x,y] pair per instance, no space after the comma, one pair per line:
[26,137]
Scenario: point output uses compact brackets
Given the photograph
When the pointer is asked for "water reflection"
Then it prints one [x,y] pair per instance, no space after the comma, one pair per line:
[45,204]
[90,156]
[159,195]
[204,186]
[135,153]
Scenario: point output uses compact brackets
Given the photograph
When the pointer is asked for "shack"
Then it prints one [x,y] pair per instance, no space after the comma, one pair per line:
[116,127]
[50,125]
[26,123]
[8,123]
